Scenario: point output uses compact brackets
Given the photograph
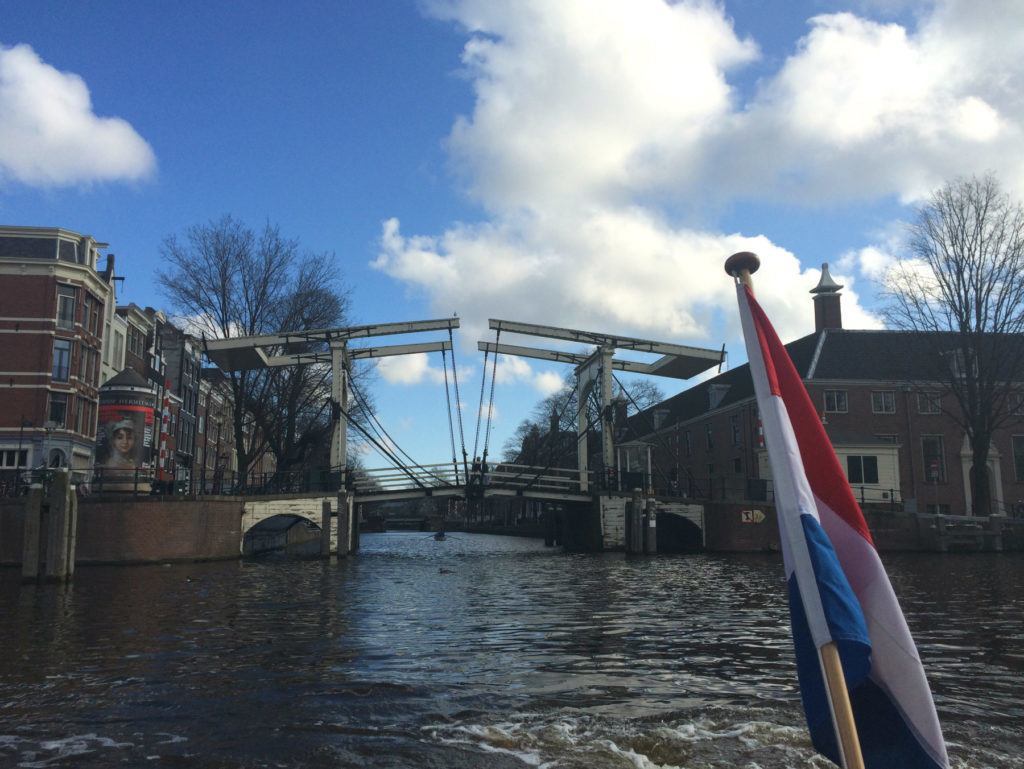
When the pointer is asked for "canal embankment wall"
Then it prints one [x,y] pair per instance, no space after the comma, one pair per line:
[164,529]
[158,529]
[753,527]
[139,529]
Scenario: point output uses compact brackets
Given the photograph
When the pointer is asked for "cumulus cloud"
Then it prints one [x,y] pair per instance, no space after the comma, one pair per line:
[49,134]
[409,369]
[596,122]
[865,109]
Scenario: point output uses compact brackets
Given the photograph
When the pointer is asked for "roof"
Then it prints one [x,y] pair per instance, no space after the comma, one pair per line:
[843,354]
[127,378]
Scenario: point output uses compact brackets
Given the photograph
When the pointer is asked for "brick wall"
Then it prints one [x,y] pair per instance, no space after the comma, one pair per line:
[725,531]
[149,529]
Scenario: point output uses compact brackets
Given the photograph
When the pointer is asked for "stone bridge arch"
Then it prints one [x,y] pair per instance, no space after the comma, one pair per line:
[257,510]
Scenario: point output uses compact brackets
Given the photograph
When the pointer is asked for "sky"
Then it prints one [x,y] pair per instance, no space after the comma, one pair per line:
[578,163]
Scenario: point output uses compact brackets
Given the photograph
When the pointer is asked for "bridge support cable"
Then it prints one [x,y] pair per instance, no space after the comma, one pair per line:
[480,407]
[490,404]
[448,406]
[458,406]
[386,438]
[580,438]
[382,449]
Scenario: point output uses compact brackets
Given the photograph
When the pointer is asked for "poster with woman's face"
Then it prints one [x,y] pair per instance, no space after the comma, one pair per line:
[124,439]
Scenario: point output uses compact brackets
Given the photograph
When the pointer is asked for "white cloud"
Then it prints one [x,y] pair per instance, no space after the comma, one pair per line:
[49,134]
[863,108]
[586,95]
[548,382]
[593,119]
[409,369]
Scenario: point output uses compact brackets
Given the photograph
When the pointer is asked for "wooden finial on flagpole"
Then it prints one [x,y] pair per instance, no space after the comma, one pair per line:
[742,265]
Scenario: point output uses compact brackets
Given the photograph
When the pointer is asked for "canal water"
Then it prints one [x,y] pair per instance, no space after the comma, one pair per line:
[478,651]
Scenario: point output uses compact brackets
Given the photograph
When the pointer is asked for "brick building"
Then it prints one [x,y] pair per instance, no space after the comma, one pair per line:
[53,308]
[182,360]
[890,427]
[215,458]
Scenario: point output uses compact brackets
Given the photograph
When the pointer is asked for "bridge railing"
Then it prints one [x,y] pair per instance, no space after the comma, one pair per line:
[384,479]
[559,480]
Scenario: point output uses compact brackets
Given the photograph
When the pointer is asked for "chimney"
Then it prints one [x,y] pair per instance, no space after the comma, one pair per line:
[619,412]
[827,310]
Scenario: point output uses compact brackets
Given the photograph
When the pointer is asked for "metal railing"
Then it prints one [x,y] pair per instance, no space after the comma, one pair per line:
[555,480]
[140,481]
[739,489]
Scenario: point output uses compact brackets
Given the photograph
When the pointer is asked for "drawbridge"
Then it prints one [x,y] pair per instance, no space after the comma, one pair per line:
[473,474]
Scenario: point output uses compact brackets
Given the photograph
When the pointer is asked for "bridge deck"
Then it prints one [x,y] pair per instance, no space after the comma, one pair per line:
[446,480]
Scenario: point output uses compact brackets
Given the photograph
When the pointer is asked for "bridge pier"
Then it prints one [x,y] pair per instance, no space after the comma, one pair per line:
[348,526]
[325,529]
[51,530]
[650,526]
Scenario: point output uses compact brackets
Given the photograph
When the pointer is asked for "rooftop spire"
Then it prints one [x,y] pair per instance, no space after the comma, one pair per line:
[826,285]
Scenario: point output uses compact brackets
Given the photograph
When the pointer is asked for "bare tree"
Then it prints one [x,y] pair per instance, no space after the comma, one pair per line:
[229,281]
[961,283]
[639,394]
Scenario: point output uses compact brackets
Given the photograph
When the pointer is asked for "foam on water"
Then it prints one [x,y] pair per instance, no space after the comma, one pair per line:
[578,741]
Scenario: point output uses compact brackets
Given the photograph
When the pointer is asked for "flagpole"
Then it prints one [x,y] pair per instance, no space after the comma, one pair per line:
[742,266]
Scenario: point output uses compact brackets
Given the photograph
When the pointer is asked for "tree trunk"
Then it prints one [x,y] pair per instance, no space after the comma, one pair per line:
[981,495]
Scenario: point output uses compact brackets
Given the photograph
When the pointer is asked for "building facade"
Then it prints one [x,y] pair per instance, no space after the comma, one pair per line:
[52,320]
[893,430]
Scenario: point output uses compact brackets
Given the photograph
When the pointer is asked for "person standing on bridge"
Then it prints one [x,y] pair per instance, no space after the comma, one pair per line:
[474,479]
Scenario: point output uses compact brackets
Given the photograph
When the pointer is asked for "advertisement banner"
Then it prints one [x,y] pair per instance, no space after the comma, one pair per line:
[125,435]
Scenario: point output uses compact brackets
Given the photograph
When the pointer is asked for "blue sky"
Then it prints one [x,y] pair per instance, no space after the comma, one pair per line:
[574,163]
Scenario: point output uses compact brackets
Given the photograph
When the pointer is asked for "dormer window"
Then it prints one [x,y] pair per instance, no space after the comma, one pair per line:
[716,393]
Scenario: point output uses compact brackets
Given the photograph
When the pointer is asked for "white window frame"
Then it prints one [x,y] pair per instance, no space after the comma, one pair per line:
[883,396]
[835,393]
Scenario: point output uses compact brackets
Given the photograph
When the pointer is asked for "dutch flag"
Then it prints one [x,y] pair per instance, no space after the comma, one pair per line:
[838,589]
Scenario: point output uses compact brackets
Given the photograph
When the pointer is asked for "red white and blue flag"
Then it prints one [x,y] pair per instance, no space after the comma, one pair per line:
[838,589]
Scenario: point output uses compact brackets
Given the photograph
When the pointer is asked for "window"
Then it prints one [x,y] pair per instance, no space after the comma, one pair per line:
[14,458]
[80,420]
[94,316]
[58,408]
[737,465]
[862,469]
[709,437]
[136,342]
[934,458]
[61,360]
[1018,456]
[118,349]
[66,306]
[735,424]
[939,509]
[835,401]
[89,305]
[883,402]
[711,469]
[1017,404]
[928,403]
